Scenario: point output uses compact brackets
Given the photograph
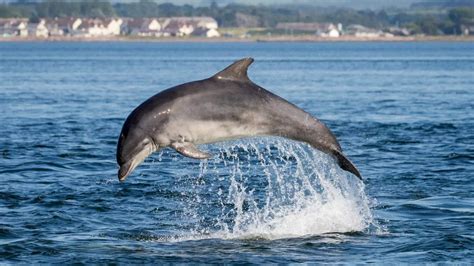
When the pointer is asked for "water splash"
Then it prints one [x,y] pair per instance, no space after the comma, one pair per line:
[273,188]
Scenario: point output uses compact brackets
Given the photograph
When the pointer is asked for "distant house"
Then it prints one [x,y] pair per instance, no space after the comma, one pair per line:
[21,27]
[63,26]
[467,29]
[177,26]
[38,30]
[363,32]
[112,26]
[6,29]
[98,27]
[170,28]
[320,29]
[141,27]
[90,28]
[333,33]
[10,27]
[185,26]
[212,33]
[209,33]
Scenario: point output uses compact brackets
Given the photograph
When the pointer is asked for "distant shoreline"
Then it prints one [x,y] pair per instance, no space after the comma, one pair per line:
[281,38]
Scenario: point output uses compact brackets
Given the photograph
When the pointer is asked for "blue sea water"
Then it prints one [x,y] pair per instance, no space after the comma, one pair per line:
[403,113]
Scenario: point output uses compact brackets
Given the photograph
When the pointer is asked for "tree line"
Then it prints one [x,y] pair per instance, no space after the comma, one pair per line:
[432,22]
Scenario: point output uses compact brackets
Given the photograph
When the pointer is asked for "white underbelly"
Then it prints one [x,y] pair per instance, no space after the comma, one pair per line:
[202,132]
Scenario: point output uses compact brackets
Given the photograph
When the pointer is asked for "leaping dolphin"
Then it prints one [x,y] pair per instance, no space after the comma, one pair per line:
[225,106]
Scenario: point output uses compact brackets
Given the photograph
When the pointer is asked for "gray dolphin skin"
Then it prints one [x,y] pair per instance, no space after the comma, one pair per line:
[225,106]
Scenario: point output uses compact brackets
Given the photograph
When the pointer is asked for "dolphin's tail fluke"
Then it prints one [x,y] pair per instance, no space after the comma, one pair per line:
[346,164]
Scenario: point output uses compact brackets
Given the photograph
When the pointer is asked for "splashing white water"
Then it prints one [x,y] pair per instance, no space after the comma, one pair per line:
[273,188]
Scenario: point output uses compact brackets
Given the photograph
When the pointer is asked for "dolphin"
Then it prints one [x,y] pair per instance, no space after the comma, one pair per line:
[225,106]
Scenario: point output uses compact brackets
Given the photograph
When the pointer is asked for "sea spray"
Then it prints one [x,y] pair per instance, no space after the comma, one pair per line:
[272,188]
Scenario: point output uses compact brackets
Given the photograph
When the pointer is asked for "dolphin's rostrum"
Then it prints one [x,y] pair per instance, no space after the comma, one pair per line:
[225,106]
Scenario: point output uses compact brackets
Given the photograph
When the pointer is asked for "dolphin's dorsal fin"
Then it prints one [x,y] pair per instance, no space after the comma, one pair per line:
[236,71]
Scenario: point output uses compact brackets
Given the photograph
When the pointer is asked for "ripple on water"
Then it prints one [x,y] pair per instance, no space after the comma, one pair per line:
[402,112]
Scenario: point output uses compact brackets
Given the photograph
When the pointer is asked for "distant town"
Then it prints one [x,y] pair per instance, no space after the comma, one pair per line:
[169,27]
[108,27]
[95,19]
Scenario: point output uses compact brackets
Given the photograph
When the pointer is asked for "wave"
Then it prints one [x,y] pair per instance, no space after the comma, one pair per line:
[271,188]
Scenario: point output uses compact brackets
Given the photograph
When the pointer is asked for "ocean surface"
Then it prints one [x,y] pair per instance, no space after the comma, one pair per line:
[403,113]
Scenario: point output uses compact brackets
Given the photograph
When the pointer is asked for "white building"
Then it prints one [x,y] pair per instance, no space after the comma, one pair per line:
[10,27]
[113,26]
[38,30]
[89,28]
[212,33]
[98,27]
[22,27]
[63,26]
[185,26]
[362,31]
[333,33]
[142,27]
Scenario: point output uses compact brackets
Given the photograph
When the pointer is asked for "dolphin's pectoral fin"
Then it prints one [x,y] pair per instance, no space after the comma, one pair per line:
[188,149]
[346,164]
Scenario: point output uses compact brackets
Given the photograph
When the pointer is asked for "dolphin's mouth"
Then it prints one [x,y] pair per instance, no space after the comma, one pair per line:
[127,168]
